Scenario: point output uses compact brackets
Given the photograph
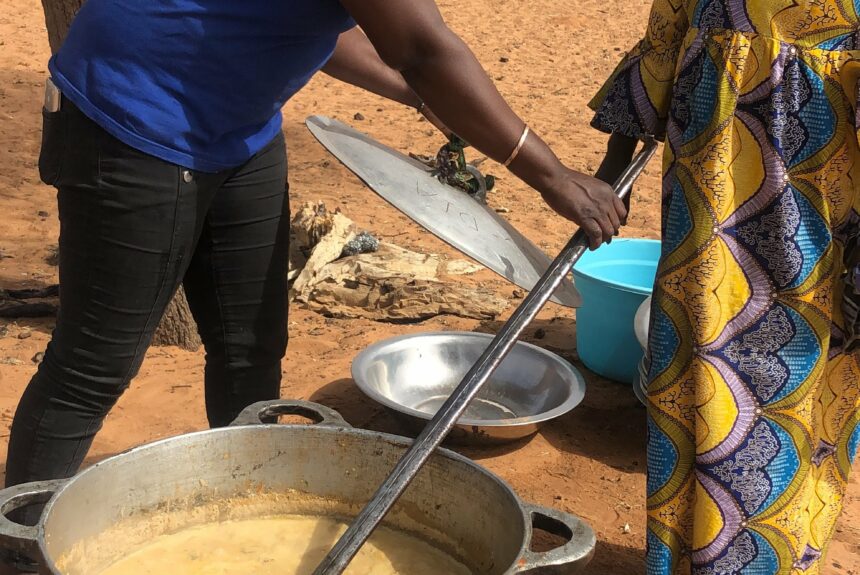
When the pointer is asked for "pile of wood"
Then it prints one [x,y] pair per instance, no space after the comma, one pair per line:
[389,284]
[20,303]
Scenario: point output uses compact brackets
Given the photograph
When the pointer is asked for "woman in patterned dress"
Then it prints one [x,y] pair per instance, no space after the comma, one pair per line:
[754,393]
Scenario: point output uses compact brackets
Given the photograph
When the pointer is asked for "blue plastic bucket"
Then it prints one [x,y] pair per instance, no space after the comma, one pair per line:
[613,280]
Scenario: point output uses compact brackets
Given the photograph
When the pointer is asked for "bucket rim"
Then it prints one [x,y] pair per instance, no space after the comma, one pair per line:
[619,286]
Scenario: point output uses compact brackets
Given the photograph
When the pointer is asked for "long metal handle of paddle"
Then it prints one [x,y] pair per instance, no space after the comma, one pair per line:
[410,464]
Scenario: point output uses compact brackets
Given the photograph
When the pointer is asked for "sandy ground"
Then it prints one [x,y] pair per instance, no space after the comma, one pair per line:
[590,462]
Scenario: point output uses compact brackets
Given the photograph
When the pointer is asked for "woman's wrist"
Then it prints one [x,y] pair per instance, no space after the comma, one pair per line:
[537,165]
[411,99]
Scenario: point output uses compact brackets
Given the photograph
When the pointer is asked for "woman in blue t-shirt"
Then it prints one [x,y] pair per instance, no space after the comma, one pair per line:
[167,152]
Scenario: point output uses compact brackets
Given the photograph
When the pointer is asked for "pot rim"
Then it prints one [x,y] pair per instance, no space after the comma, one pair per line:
[49,562]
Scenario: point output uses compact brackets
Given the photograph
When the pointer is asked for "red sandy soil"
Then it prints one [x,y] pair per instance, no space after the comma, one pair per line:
[547,57]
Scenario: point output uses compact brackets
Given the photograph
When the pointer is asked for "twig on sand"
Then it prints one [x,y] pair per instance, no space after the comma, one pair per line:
[15,310]
[13,304]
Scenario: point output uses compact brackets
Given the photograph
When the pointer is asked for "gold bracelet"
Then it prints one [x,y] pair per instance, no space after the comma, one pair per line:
[519,147]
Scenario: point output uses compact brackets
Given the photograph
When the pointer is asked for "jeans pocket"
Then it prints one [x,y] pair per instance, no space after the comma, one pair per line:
[53,146]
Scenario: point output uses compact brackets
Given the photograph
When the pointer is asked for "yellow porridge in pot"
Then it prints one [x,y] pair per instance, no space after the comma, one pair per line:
[282,545]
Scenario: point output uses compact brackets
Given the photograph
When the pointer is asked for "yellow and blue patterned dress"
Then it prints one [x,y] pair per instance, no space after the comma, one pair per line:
[754,394]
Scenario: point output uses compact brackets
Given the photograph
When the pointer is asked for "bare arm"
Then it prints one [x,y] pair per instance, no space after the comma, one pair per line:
[619,154]
[411,37]
[355,61]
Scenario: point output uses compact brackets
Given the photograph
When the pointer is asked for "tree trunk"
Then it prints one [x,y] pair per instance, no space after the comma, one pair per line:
[177,326]
[58,17]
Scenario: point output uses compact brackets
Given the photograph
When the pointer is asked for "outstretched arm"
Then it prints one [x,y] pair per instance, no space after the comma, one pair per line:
[355,61]
[411,37]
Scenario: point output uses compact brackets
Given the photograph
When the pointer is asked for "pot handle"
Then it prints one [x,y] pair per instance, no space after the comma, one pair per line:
[17,537]
[258,413]
[571,557]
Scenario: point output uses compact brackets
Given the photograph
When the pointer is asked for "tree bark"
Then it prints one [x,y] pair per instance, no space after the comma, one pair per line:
[177,327]
[58,17]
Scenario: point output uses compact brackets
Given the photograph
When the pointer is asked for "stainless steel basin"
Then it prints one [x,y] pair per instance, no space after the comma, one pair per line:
[641,326]
[413,375]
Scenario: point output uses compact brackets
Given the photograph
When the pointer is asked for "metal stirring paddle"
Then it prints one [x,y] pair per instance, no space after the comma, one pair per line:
[410,464]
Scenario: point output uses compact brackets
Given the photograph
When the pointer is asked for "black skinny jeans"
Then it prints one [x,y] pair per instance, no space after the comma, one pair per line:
[131,228]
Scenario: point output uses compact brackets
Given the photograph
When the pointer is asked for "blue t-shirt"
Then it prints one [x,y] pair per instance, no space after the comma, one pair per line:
[199,83]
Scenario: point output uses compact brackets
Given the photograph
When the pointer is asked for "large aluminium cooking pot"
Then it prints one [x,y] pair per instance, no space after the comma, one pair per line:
[456,504]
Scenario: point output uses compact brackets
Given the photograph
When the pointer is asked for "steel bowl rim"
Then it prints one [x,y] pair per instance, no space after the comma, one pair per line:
[641,322]
[393,439]
[576,382]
